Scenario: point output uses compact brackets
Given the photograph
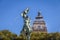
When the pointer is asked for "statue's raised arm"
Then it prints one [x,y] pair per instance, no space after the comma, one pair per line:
[24,13]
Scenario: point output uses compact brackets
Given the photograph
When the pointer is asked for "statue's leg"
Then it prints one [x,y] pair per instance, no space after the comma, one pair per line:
[28,37]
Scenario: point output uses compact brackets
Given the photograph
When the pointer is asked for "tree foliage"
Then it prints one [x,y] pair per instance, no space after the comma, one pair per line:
[7,35]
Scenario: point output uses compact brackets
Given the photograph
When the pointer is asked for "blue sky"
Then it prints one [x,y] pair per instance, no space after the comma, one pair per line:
[10,10]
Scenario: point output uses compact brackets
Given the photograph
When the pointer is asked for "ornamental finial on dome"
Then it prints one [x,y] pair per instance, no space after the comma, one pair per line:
[39,16]
[39,13]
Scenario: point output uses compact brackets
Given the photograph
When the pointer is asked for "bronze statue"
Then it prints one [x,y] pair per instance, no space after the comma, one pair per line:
[26,27]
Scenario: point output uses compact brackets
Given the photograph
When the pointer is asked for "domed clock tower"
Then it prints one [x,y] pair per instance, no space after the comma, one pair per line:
[39,24]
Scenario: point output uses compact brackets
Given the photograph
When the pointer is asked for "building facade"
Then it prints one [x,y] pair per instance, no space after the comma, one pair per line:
[39,24]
